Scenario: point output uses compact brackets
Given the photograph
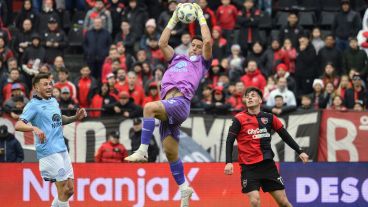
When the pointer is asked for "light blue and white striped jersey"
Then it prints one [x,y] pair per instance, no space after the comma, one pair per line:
[46,115]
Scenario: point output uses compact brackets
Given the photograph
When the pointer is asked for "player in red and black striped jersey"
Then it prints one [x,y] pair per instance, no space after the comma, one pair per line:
[252,129]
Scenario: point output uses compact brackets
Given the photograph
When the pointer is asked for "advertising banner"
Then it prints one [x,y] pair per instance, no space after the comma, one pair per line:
[326,184]
[343,137]
[126,185]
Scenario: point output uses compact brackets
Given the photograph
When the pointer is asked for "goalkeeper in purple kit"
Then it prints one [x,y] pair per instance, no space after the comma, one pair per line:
[178,86]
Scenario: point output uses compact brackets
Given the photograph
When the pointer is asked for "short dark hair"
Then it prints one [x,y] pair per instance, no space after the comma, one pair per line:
[279,96]
[250,89]
[197,37]
[64,70]
[39,77]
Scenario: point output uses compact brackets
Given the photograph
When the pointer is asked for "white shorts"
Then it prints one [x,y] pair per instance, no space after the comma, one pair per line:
[56,167]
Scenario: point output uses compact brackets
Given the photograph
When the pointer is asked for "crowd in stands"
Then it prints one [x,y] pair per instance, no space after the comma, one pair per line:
[299,66]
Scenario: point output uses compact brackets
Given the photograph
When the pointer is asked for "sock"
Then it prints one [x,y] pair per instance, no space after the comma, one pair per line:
[55,202]
[63,203]
[147,131]
[177,170]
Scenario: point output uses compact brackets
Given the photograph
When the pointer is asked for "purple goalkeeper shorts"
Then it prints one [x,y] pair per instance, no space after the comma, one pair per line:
[177,110]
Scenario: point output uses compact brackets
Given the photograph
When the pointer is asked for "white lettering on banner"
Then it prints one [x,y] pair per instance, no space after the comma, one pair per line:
[363,123]
[81,142]
[330,192]
[346,143]
[136,190]
[309,189]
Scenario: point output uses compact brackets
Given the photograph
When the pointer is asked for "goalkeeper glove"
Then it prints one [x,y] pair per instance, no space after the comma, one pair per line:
[200,16]
[174,19]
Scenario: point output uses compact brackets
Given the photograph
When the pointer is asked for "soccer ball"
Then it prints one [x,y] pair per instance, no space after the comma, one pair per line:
[187,13]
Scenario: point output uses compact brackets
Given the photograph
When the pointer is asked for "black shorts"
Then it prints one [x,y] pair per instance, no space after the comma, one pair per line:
[263,174]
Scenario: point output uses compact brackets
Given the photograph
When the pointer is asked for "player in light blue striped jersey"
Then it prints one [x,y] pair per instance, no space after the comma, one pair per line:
[43,117]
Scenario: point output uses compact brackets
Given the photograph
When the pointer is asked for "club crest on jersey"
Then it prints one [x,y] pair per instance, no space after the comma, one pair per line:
[193,58]
[264,120]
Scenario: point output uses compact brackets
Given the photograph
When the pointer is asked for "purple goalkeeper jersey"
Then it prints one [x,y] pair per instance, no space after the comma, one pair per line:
[185,74]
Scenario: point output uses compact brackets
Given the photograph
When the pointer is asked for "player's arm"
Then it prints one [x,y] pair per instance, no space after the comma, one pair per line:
[81,114]
[231,136]
[286,137]
[206,34]
[23,126]
[163,43]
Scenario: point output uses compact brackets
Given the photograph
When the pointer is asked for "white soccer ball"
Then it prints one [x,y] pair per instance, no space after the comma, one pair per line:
[187,13]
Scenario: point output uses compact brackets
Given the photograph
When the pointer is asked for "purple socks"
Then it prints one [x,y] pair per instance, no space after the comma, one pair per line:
[177,171]
[147,130]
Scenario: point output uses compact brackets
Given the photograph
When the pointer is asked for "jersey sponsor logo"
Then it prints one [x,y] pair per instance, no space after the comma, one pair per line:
[259,133]
[56,118]
[264,120]
[180,67]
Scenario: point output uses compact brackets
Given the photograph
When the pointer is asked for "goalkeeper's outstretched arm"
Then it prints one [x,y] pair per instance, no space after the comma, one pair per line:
[206,34]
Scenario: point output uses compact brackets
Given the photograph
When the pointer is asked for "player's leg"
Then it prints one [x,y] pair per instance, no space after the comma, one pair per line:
[171,149]
[151,111]
[254,198]
[281,198]
[65,185]
[63,196]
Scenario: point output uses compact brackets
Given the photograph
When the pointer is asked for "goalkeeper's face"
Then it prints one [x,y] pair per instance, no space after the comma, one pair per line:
[44,88]
[195,47]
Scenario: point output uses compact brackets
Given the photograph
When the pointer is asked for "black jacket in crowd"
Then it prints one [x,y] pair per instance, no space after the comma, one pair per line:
[292,33]
[180,28]
[13,151]
[153,150]
[306,64]
[44,18]
[356,59]
[24,36]
[248,22]
[33,53]
[137,18]
[217,107]
[57,36]
[63,104]
[349,99]
[27,14]
[129,41]
[133,109]
[346,24]
[96,44]
[330,55]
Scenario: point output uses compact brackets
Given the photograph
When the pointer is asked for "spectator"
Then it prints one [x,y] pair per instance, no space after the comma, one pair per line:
[27,13]
[292,30]
[46,13]
[126,106]
[316,39]
[256,54]
[121,81]
[347,23]
[282,72]
[226,15]
[126,59]
[274,56]
[330,54]
[67,105]
[141,56]
[343,86]
[24,38]
[111,82]
[236,61]
[305,66]
[248,21]
[127,37]
[102,102]
[10,148]
[86,87]
[92,3]
[5,33]
[138,70]
[63,76]
[111,63]
[214,73]
[219,43]
[34,51]
[135,136]
[154,51]
[16,92]
[163,20]
[150,32]
[317,95]
[111,151]
[7,85]
[183,48]
[253,76]
[96,45]
[206,96]
[236,99]
[328,96]
[356,58]
[329,75]
[282,90]
[280,107]
[194,28]
[54,41]
[56,67]
[157,76]
[146,72]
[306,104]
[115,8]
[136,16]
[356,93]
[271,85]
[337,104]
[98,11]
[291,53]
[134,90]
[218,105]
[358,106]
[153,94]
[5,51]
[56,92]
